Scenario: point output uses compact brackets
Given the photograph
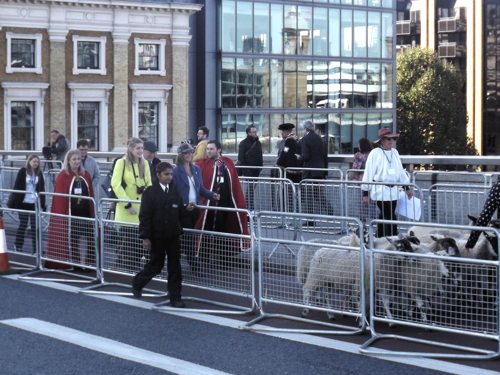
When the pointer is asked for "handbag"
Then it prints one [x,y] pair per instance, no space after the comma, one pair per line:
[409,208]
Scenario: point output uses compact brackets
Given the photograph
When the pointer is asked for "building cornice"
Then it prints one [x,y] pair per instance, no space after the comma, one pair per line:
[23,85]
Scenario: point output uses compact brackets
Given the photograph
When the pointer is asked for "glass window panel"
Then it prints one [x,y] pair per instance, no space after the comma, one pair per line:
[261,122]
[22,53]
[374,3]
[334,132]
[277,28]
[276,83]
[321,122]
[359,85]
[261,28]
[373,122]
[228,25]
[334,100]
[305,84]
[290,84]
[334,32]
[346,1]
[88,123]
[320,32]
[334,1]
[387,35]
[301,118]
[387,120]
[304,30]
[88,55]
[228,83]
[387,3]
[244,83]
[346,32]
[373,40]
[386,85]
[242,122]
[228,133]
[320,89]
[149,56]
[244,33]
[358,128]
[292,118]
[261,83]
[346,145]
[275,120]
[148,121]
[290,30]
[360,34]
[373,85]
[346,79]
[22,119]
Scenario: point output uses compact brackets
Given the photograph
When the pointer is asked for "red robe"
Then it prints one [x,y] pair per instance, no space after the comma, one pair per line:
[237,223]
[58,235]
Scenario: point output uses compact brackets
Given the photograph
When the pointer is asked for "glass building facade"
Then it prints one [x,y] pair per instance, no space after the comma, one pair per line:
[330,61]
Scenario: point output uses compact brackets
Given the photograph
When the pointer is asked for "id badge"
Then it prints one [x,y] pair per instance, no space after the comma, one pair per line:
[286,149]
[391,171]
[221,180]
[78,191]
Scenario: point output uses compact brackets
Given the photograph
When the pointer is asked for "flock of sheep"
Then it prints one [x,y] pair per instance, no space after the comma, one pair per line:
[422,273]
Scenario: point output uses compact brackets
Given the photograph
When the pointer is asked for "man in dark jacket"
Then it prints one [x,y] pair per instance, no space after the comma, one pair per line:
[250,153]
[288,149]
[161,218]
[150,151]
[313,155]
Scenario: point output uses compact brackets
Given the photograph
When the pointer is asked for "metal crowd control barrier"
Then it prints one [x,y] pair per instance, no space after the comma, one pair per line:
[19,224]
[330,173]
[8,177]
[324,276]
[478,177]
[450,204]
[60,245]
[321,197]
[218,262]
[420,289]
[407,209]
[121,252]
[265,171]
[269,194]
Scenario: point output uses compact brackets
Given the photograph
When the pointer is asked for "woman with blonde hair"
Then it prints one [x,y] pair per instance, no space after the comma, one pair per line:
[76,181]
[29,178]
[131,176]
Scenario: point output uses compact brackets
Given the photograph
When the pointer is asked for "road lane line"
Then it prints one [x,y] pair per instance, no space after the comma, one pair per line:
[423,362]
[110,347]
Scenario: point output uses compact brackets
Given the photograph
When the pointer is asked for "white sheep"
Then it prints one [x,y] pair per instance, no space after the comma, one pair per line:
[304,256]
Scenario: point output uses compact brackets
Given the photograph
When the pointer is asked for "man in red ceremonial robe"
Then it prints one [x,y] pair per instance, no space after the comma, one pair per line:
[219,175]
[58,242]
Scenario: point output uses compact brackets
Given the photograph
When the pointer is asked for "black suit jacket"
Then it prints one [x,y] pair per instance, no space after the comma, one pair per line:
[20,184]
[162,215]
[313,155]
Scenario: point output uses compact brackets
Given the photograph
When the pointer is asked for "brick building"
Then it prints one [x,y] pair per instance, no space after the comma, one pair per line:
[101,70]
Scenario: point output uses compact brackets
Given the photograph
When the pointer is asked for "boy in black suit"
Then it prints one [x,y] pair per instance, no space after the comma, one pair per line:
[161,218]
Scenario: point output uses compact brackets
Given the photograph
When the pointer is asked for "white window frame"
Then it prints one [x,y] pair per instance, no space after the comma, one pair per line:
[38,53]
[24,92]
[90,92]
[161,57]
[144,92]
[102,54]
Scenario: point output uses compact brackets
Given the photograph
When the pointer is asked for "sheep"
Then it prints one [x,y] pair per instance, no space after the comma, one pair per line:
[420,279]
[337,269]
[482,250]
[304,256]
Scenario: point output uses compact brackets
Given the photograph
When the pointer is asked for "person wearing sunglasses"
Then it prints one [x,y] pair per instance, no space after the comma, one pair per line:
[384,166]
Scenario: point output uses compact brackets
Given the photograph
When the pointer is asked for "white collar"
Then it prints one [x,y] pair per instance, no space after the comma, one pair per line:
[164,186]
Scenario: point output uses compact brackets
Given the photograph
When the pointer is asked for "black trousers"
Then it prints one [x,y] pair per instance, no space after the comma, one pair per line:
[387,212]
[160,247]
[82,229]
[24,219]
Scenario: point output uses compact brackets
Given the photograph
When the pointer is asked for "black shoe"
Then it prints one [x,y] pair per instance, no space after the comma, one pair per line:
[178,304]
[136,292]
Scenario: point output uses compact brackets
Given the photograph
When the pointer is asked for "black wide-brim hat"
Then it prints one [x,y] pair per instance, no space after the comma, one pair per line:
[286,126]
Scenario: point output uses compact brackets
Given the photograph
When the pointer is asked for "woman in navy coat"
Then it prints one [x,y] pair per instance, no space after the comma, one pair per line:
[187,179]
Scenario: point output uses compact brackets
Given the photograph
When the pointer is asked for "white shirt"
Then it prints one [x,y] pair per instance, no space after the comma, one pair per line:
[384,166]
[31,182]
[164,187]
[192,190]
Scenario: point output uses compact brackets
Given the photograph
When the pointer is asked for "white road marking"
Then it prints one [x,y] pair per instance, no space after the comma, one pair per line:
[323,342]
[110,347]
